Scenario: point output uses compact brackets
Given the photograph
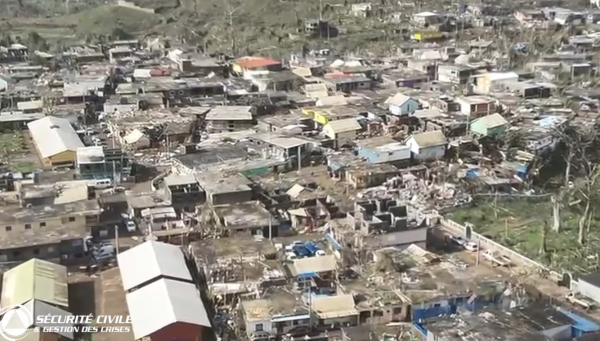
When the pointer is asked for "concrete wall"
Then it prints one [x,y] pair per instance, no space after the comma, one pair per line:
[134,6]
[17,228]
[407,108]
[230,198]
[375,156]
[487,244]
[431,153]
[589,290]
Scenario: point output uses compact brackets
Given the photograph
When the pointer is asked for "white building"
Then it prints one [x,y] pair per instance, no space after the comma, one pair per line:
[428,146]
[342,131]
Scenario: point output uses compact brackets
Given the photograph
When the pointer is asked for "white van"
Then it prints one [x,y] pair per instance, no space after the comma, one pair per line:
[101,183]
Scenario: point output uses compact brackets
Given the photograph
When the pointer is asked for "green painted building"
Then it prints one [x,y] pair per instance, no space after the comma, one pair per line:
[492,126]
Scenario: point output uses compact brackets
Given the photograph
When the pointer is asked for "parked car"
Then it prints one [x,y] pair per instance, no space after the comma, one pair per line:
[470,246]
[458,240]
[131,226]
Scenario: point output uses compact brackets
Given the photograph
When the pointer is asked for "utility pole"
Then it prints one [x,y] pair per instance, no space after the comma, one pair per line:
[299,158]
[270,228]
[320,11]
[117,239]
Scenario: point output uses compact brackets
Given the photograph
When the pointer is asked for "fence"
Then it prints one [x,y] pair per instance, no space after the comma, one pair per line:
[486,243]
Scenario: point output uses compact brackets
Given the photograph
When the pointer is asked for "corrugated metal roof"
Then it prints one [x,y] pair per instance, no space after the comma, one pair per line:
[159,260]
[35,279]
[233,113]
[334,306]
[345,125]
[313,265]
[39,308]
[398,100]
[430,139]
[30,105]
[134,136]
[491,121]
[163,303]
[53,135]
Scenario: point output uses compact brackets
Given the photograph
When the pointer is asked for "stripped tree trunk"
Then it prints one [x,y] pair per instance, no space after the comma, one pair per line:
[582,222]
[555,214]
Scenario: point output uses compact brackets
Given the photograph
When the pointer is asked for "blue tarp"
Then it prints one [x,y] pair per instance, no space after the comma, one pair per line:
[307,275]
[472,174]
[420,328]
[581,325]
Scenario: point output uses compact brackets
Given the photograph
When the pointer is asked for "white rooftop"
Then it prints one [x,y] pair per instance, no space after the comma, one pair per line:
[162,303]
[152,260]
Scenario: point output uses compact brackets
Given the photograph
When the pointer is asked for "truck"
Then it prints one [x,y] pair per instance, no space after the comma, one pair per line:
[496,260]
[580,300]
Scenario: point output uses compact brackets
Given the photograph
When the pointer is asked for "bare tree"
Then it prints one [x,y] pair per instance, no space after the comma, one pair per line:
[556,205]
[230,10]
[587,190]
[543,249]
[579,154]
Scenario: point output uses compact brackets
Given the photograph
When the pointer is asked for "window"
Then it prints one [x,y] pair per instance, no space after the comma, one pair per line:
[397,311]
[71,219]
[27,226]
[8,228]
[437,305]
[50,249]
[42,224]
[259,327]
[378,313]
[16,253]
[36,251]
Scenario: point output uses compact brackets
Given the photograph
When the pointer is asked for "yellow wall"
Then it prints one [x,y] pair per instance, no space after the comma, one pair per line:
[321,117]
[309,112]
[237,68]
[64,157]
[427,35]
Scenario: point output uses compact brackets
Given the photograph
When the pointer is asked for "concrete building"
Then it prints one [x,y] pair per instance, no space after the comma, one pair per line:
[384,150]
[494,81]
[456,74]
[184,192]
[55,141]
[97,162]
[428,146]
[47,232]
[477,106]
[492,126]
[335,311]
[342,131]
[276,315]
[402,105]
[225,188]
[229,118]
[248,66]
